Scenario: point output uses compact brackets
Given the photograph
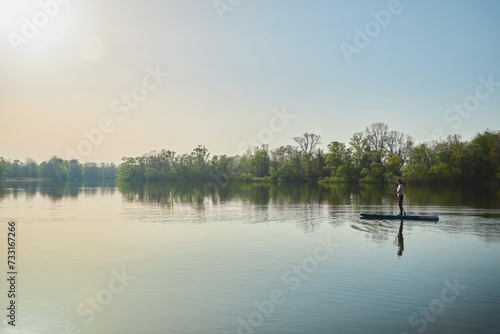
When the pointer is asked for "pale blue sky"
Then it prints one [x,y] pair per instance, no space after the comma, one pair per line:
[227,76]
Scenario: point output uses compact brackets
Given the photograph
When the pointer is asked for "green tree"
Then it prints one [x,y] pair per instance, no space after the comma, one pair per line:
[485,156]
[336,156]
[55,169]
[392,168]
[75,169]
[31,168]
[130,170]
[3,168]
[199,163]
[260,163]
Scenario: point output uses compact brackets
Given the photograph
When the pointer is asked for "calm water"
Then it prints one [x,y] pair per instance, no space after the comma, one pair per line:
[243,258]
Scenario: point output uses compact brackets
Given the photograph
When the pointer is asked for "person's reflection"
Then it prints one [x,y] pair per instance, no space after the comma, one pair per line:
[400,240]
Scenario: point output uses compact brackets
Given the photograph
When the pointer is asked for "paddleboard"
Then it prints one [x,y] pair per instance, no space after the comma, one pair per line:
[406,217]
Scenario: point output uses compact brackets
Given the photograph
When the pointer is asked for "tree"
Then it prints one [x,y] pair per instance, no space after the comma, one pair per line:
[399,144]
[15,169]
[308,143]
[31,168]
[91,170]
[56,169]
[3,168]
[199,162]
[129,170]
[75,169]
[260,163]
[421,155]
[360,150]
[284,173]
[393,168]
[336,154]
[374,155]
[376,136]
[338,162]
[484,151]
[318,165]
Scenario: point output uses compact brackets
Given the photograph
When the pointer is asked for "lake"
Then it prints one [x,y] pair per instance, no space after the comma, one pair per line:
[248,258]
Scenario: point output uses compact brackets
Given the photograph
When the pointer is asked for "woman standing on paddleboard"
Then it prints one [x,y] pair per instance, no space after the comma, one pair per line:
[399,194]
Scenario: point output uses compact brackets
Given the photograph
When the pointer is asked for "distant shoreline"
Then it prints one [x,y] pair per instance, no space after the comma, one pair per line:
[377,156]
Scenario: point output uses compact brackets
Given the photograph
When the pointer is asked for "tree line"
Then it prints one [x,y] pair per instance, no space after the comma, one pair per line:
[57,169]
[375,155]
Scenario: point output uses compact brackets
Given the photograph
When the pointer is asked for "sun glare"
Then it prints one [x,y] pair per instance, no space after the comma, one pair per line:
[12,12]
[34,24]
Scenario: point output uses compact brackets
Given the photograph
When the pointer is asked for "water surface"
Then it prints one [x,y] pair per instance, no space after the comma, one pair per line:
[250,258]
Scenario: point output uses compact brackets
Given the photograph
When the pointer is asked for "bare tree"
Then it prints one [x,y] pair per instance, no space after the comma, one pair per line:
[398,143]
[376,136]
[394,142]
[407,148]
[308,143]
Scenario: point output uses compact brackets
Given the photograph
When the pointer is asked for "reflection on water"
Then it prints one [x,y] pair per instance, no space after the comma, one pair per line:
[203,257]
[257,193]
[264,193]
[345,201]
[55,190]
[400,240]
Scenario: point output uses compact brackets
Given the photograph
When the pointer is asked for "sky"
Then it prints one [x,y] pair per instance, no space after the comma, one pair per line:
[99,80]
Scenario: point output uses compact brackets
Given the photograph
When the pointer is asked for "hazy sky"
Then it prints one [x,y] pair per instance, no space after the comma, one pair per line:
[105,79]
